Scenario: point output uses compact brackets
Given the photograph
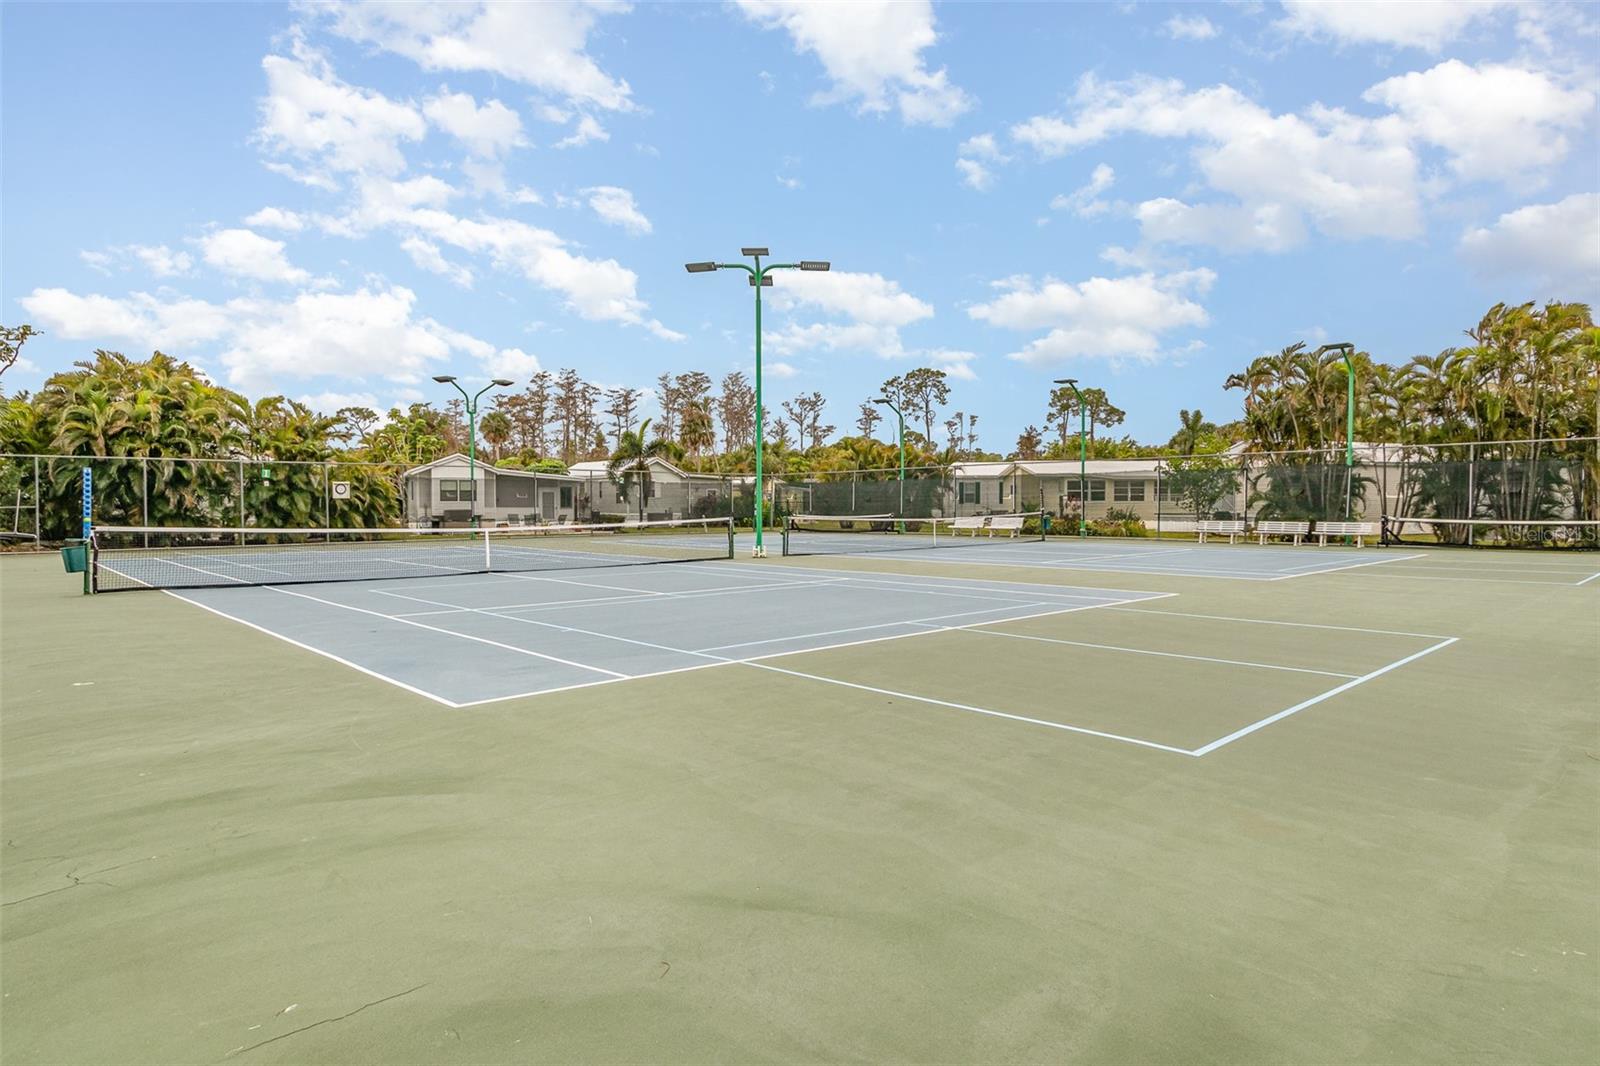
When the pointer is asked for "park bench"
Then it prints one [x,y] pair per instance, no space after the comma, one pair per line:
[1231,528]
[1273,528]
[972,522]
[1344,529]
[1010,524]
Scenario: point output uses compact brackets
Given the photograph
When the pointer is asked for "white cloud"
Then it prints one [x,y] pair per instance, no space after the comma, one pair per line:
[157,259]
[246,254]
[1085,201]
[512,363]
[588,129]
[1494,122]
[1101,318]
[427,256]
[541,45]
[276,218]
[162,261]
[790,183]
[982,146]
[329,402]
[1351,177]
[778,369]
[954,362]
[310,114]
[615,206]
[975,175]
[872,52]
[1425,24]
[488,131]
[363,336]
[1189,28]
[867,298]
[1556,244]
[1229,227]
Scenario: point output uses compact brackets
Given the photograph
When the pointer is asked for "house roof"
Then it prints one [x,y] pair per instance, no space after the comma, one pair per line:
[460,459]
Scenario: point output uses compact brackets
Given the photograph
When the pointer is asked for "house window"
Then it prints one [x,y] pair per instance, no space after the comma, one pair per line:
[454,491]
[1003,486]
[1164,491]
[1097,490]
[1128,491]
[968,491]
[566,495]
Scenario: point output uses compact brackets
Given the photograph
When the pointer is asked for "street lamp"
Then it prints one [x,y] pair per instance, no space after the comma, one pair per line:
[1083,456]
[1346,349]
[759,276]
[886,402]
[472,434]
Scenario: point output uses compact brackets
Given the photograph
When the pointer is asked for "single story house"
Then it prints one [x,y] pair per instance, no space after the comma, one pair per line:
[450,490]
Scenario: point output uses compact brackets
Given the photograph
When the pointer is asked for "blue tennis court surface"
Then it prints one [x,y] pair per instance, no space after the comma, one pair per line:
[484,637]
[1244,562]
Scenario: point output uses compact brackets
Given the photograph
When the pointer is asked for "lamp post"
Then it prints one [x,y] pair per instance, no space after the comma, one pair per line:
[1347,350]
[472,434]
[1083,456]
[759,276]
[886,402]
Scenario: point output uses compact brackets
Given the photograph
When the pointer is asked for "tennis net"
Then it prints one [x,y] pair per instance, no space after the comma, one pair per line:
[138,557]
[1491,532]
[851,534]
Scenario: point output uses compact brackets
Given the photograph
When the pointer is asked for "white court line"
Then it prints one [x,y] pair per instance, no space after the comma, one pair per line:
[316,651]
[446,632]
[607,601]
[1326,567]
[1586,580]
[1529,583]
[781,654]
[1149,651]
[1059,565]
[877,625]
[1348,566]
[707,653]
[968,707]
[983,584]
[1275,622]
[570,581]
[1314,700]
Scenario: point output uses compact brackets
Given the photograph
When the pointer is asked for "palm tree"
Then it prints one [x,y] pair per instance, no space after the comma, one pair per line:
[1191,424]
[630,463]
[496,429]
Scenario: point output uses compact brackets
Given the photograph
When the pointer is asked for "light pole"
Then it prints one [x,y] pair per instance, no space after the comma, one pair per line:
[886,402]
[1083,456]
[759,276]
[1347,350]
[472,435]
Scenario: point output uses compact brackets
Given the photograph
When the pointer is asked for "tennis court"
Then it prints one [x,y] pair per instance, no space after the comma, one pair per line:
[1100,800]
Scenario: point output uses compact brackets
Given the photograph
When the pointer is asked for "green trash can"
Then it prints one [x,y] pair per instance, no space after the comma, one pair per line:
[75,556]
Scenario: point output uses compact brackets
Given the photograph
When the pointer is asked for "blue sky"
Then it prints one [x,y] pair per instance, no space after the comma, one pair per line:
[335,202]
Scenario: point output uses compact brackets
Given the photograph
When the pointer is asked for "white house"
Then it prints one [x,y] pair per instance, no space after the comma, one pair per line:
[449,491]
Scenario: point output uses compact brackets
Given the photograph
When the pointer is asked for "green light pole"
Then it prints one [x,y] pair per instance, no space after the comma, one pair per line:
[472,434]
[759,276]
[886,402]
[1083,456]
[1347,350]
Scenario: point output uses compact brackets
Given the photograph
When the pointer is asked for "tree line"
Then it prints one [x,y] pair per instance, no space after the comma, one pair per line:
[1528,372]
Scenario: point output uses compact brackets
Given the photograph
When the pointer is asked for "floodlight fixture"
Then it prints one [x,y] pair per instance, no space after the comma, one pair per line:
[815,264]
[444,379]
[699,268]
[1066,381]
[754,251]
[503,381]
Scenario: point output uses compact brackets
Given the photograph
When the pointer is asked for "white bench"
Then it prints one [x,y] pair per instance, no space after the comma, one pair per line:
[1010,524]
[972,522]
[1296,530]
[1344,529]
[1230,528]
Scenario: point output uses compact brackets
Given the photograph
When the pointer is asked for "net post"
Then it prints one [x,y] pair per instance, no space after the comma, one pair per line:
[488,563]
[730,535]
